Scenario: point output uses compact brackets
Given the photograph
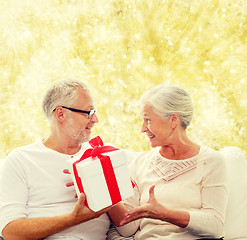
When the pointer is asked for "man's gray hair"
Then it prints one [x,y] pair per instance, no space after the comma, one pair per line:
[167,99]
[61,93]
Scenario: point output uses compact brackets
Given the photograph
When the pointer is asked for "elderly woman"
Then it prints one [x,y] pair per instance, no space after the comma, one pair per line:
[180,186]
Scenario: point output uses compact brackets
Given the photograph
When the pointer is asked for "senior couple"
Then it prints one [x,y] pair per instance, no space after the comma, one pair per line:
[180,186]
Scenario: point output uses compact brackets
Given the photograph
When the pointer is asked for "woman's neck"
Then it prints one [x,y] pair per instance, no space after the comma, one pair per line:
[180,150]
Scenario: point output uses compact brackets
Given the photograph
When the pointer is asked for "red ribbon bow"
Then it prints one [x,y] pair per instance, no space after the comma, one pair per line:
[96,151]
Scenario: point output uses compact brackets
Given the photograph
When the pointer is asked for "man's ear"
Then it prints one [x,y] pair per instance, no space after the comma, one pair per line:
[59,113]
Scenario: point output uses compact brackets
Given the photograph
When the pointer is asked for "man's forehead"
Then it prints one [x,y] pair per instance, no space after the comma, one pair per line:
[85,97]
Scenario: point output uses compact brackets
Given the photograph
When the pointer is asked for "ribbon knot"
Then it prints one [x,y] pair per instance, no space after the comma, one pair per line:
[96,151]
[97,141]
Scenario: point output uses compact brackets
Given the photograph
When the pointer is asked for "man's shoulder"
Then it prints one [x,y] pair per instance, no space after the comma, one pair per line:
[36,146]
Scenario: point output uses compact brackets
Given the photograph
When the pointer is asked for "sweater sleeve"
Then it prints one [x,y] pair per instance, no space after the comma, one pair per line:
[131,202]
[13,191]
[130,228]
[209,220]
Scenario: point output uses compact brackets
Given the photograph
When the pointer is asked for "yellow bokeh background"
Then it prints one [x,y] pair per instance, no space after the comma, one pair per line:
[121,48]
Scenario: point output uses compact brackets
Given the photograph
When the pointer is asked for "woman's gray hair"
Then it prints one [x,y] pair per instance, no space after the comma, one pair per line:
[61,93]
[167,99]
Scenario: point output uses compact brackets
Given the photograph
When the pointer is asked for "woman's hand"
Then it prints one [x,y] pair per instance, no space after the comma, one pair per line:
[152,209]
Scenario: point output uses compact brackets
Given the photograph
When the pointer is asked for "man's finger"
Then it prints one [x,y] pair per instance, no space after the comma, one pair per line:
[69,184]
[82,198]
[104,210]
[66,171]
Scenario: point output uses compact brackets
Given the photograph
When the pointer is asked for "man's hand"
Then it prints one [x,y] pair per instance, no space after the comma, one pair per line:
[66,171]
[82,213]
[69,184]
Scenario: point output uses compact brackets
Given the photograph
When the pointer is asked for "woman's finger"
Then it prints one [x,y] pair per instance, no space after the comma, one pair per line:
[151,192]
[130,218]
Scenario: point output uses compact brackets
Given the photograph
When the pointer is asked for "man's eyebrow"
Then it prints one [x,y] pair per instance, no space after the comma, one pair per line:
[90,106]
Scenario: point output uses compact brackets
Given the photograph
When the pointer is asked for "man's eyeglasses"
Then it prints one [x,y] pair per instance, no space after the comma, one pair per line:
[89,113]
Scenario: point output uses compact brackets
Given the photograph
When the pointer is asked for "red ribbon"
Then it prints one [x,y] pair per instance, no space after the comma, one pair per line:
[96,151]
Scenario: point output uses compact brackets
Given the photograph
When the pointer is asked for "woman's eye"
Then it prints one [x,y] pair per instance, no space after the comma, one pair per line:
[148,120]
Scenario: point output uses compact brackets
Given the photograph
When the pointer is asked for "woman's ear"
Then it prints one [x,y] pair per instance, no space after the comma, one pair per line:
[174,118]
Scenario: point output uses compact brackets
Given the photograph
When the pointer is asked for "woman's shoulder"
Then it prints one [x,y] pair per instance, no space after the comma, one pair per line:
[142,159]
[209,156]
[147,154]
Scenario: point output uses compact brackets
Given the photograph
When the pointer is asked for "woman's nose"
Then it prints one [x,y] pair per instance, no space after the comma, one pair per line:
[144,127]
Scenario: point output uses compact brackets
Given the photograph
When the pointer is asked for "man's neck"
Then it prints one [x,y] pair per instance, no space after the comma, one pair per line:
[61,146]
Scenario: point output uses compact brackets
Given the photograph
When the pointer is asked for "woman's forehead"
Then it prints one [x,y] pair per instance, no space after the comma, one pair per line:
[146,109]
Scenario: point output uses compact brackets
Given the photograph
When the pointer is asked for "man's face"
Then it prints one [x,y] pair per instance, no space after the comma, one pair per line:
[77,125]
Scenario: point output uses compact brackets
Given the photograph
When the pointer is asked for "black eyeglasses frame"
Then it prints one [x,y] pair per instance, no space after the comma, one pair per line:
[89,113]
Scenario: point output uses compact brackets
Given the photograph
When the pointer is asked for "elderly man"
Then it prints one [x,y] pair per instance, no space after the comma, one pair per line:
[34,200]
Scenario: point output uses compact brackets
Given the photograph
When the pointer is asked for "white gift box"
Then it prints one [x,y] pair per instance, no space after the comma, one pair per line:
[98,180]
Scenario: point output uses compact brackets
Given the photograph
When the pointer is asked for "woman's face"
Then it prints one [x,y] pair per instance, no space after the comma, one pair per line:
[157,129]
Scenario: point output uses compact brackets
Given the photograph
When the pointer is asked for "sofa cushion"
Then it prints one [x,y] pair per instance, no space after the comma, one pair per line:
[236,214]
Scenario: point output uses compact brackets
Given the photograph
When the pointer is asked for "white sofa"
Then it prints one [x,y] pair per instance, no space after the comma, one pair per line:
[236,215]
[1,163]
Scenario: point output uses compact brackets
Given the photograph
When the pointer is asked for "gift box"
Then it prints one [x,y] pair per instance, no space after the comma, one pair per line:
[102,174]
